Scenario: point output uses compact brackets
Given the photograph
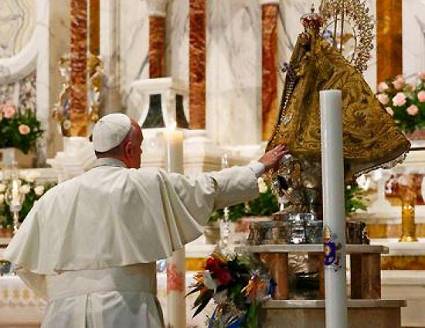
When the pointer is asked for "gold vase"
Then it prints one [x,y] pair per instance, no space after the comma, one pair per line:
[408,226]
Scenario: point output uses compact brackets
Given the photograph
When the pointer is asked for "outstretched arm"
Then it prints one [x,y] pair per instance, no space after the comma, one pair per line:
[214,190]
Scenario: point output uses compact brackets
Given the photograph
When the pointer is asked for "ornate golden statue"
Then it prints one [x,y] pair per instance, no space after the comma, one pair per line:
[326,57]
[96,82]
[371,137]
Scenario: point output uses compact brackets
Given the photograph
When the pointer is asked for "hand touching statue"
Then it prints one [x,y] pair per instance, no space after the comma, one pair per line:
[272,158]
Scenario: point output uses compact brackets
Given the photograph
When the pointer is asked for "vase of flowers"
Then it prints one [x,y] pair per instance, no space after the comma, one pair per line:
[406,103]
[238,285]
[19,131]
[32,191]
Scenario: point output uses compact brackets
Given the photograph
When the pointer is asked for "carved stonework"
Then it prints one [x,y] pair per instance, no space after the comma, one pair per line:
[17,22]
[21,93]
[268,2]
[157,7]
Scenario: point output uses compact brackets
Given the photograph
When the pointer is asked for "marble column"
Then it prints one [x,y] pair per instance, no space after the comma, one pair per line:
[110,52]
[52,35]
[78,98]
[197,62]
[270,13]
[94,27]
[389,38]
[157,13]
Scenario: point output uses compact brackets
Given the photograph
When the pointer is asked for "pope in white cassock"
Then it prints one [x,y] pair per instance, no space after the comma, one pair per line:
[89,245]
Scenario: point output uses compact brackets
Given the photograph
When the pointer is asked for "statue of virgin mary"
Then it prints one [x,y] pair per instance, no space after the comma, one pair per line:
[371,138]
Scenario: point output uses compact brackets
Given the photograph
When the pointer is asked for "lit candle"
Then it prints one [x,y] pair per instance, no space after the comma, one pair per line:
[176,264]
[333,208]
[173,150]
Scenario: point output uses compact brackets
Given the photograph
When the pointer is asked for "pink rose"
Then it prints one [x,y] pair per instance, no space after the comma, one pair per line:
[412,110]
[398,83]
[399,99]
[421,75]
[383,98]
[382,87]
[389,111]
[24,129]
[421,96]
[8,110]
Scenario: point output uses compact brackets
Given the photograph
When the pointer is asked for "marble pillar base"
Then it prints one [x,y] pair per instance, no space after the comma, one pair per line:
[200,153]
[76,158]
[311,314]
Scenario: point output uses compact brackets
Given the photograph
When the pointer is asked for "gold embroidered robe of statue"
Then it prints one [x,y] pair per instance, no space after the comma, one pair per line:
[371,137]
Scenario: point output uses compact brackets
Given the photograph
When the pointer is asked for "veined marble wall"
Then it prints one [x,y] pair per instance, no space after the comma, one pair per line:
[134,47]
[413,37]
[17,24]
[233,62]
[290,26]
[233,58]
[234,71]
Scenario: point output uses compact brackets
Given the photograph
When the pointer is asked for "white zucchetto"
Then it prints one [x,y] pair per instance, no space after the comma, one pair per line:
[110,131]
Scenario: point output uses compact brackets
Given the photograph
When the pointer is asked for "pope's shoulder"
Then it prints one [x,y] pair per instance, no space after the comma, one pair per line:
[147,174]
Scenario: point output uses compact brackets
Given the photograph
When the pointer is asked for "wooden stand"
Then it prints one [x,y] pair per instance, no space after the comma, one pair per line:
[311,314]
[365,308]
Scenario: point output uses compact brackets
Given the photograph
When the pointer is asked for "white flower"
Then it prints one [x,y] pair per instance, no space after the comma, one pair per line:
[39,190]
[66,124]
[389,111]
[1,199]
[412,110]
[382,87]
[2,187]
[383,98]
[25,189]
[31,176]
[262,187]
[209,282]
[399,99]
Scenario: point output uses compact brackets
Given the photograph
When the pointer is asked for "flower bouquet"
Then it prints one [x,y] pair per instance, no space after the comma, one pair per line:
[30,188]
[19,129]
[404,101]
[237,284]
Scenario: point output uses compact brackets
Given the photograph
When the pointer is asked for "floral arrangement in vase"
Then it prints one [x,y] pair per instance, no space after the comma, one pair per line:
[238,285]
[18,128]
[404,101]
[30,189]
[264,205]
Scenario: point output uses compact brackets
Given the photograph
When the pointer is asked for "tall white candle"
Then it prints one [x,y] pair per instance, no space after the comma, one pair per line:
[333,208]
[176,264]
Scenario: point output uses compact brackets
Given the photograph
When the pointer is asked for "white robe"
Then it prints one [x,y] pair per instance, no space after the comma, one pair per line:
[89,245]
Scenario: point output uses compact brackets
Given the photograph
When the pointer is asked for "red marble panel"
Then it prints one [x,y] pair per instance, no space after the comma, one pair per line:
[156,46]
[269,74]
[197,63]
[94,27]
[389,38]
[78,95]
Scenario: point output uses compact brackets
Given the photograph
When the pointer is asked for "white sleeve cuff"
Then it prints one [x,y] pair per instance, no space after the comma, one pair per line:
[258,168]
